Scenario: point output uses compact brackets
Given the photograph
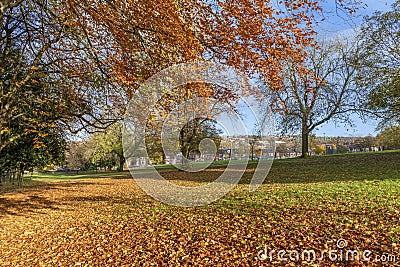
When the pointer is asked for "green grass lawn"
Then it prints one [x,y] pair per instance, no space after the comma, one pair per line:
[103,219]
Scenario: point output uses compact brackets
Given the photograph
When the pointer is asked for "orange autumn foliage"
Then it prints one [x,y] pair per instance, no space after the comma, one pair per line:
[129,41]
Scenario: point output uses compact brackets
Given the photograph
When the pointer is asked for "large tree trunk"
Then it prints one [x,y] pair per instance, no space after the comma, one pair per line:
[304,140]
[164,157]
[121,163]
[185,148]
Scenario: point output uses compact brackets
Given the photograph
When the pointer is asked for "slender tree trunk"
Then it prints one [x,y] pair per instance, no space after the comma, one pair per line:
[304,140]
[19,178]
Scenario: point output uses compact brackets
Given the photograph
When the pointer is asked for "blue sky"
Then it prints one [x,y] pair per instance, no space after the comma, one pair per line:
[338,23]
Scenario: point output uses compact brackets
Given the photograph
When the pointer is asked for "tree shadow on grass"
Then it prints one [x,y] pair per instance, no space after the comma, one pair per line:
[27,200]
[31,204]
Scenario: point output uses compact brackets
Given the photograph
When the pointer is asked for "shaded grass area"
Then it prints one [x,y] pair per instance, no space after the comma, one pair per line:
[304,204]
[348,167]
[54,176]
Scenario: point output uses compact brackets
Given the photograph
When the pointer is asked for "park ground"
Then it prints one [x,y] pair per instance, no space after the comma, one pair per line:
[305,204]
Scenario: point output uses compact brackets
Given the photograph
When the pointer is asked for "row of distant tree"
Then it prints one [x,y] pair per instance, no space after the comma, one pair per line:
[387,139]
[104,150]
[72,66]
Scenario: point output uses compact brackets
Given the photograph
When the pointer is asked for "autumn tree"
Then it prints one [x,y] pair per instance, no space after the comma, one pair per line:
[30,134]
[75,156]
[389,138]
[181,119]
[37,149]
[194,131]
[257,37]
[326,90]
[105,148]
[135,39]
[381,76]
[43,46]
[39,90]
